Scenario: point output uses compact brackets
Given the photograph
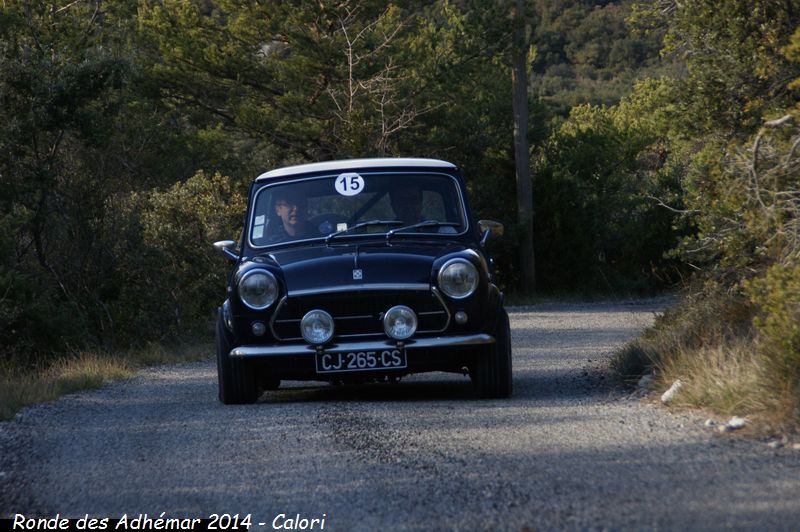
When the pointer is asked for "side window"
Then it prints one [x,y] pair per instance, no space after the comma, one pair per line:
[262,219]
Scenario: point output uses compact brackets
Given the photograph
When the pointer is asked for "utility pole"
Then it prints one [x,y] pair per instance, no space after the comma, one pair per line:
[519,80]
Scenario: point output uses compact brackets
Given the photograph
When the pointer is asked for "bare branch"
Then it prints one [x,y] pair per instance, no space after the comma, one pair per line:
[754,168]
[668,7]
[60,9]
[332,94]
[32,27]
[792,151]
[779,121]
[672,209]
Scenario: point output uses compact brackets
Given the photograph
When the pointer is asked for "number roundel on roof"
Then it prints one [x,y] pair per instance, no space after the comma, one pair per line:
[349,184]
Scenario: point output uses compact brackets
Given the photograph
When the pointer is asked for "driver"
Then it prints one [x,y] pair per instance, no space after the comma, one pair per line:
[291,207]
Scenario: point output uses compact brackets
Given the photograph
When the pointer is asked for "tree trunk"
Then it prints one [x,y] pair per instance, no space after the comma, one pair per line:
[519,79]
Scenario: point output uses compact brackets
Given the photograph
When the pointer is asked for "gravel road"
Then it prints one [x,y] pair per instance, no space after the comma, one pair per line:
[571,450]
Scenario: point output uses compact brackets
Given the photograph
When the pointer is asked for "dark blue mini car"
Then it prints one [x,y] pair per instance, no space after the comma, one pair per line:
[361,270]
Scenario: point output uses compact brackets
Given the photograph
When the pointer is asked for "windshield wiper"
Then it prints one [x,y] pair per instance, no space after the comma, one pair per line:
[426,223]
[360,225]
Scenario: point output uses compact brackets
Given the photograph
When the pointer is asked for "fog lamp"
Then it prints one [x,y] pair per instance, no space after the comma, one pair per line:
[400,322]
[461,317]
[317,327]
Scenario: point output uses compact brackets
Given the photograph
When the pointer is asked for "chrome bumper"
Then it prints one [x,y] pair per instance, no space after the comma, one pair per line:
[464,340]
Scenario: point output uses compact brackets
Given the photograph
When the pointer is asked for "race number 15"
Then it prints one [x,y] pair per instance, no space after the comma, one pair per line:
[349,184]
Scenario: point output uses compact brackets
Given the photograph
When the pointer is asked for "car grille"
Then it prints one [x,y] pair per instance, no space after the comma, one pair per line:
[360,314]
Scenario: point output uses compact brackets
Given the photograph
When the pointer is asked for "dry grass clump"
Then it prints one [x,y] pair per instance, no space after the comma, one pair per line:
[23,384]
[695,323]
[726,378]
[726,366]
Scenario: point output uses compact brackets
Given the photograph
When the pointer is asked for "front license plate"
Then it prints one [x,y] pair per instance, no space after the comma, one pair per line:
[335,362]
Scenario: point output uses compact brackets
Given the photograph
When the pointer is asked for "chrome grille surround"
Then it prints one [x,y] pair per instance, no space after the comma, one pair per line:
[360,313]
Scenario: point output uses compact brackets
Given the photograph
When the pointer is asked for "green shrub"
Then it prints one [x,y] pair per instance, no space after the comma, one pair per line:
[178,227]
[736,341]
[598,183]
[777,297]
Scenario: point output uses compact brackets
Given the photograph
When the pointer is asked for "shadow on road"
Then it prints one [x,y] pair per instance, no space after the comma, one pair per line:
[555,386]
[455,388]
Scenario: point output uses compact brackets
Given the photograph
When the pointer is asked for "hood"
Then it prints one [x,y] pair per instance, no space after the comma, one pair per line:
[362,265]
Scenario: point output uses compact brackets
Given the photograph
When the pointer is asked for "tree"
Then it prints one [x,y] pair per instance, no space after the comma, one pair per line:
[306,81]
[602,179]
[735,69]
[62,83]
[521,149]
[78,136]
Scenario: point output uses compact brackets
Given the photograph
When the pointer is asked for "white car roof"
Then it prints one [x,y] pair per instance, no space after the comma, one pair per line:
[356,164]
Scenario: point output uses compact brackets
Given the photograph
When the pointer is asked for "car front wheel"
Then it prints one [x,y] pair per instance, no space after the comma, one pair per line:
[237,384]
[491,373]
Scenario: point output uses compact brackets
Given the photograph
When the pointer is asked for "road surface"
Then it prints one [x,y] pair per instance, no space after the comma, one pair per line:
[572,449]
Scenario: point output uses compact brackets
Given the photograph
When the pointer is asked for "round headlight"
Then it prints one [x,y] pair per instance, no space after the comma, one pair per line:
[258,289]
[317,327]
[458,278]
[400,322]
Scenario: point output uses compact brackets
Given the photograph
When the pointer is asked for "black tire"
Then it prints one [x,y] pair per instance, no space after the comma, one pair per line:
[492,374]
[237,384]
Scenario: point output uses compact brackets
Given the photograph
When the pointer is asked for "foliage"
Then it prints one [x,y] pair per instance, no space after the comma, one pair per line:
[792,53]
[76,139]
[61,87]
[736,342]
[599,182]
[777,296]
[586,53]
[744,355]
[310,80]
[736,71]
[737,135]
[773,222]
[178,226]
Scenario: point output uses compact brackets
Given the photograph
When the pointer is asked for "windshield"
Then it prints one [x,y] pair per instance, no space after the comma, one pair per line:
[356,205]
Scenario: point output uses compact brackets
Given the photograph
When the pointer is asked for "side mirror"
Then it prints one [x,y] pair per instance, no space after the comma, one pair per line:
[227,248]
[489,229]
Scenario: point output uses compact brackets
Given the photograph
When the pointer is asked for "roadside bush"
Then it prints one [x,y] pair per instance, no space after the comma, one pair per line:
[178,227]
[599,224]
[706,318]
[777,297]
[736,342]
